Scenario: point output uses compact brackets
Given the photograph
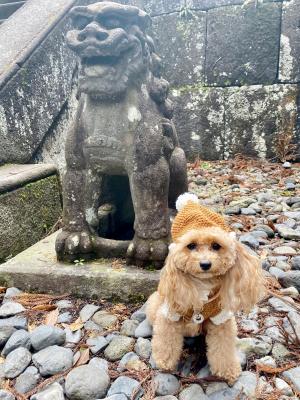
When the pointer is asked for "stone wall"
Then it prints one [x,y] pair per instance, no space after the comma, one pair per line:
[234,70]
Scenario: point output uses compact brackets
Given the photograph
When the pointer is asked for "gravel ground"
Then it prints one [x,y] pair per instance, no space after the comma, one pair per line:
[65,348]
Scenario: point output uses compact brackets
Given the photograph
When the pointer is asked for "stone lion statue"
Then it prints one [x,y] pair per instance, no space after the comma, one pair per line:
[125,168]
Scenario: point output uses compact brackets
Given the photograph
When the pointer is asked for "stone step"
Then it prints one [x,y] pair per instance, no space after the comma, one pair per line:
[37,270]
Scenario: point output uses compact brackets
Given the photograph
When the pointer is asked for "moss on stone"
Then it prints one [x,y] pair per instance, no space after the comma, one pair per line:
[27,214]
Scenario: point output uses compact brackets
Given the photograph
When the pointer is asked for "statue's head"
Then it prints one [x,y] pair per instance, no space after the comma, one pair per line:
[114,49]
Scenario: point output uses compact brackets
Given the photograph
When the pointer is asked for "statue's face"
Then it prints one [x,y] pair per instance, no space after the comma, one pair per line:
[109,38]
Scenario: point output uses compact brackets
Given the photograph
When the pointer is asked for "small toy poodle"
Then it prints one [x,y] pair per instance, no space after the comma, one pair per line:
[207,277]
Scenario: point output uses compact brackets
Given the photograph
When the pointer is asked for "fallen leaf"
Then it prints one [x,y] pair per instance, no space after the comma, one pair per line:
[51,318]
[84,357]
[75,326]
[44,307]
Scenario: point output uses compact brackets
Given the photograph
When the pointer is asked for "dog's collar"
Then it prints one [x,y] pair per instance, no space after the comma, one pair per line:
[211,310]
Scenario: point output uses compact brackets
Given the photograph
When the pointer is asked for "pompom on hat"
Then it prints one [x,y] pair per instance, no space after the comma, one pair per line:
[192,215]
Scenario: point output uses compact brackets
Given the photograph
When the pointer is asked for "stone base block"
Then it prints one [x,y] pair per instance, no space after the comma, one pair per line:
[37,270]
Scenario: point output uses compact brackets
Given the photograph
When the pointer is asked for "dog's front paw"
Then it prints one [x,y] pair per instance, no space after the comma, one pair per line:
[230,374]
[166,365]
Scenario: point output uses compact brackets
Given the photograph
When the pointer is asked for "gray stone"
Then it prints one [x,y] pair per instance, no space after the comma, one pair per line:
[124,385]
[64,318]
[233,211]
[143,348]
[117,397]
[290,186]
[292,214]
[104,319]
[254,345]
[285,250]
[259,235]
[280,305]
[131,356]
[4,395]
[119,346]
[10,308]
[92,326]
[192,392]
[10,293]
[292,200]
[168,397]
[276,272]
[265,228]
[27,380]
[16,362]
[140,314]
[199,118]
[250,241]
[293,376]
[289,69]
[248,325]
[225,394]
[215,387]
[204,372]
[246,384]
[181,44]
[294,319]
[45,335]
[5,334]
[54,391]
[291,278]
[72,338]
[25,203]
[86,382]
[88,311]
[99,363]
[248,211]
[128,327]
[63,304]
[165,384]
[97,344]
[280,352]
[281,385]
[266,361]
[256,30]
[287,233]
[19,338]
[290,291]
[144,329]
[52,360]
[296,263]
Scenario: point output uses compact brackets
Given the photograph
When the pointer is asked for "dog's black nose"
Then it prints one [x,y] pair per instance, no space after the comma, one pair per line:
[205,265]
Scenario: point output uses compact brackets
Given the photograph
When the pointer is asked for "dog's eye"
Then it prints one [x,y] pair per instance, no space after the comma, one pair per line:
[192,246]
[216,246]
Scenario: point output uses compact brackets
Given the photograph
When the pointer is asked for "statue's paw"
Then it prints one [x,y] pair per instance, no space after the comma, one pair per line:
[145,252]
[72,245]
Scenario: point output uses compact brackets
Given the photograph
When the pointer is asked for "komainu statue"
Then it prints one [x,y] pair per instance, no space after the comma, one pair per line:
[125,168]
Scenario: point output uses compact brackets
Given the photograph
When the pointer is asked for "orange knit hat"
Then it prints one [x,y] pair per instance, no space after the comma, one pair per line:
[191,215]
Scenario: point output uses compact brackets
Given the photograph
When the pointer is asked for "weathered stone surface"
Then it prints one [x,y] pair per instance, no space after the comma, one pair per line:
[20,338]
[124,385]
[119,346]
[180,41]
[165,384]
[289,66]
[251,118]
[37,205]
[27,380]
[86,382]
[291,278]
[11,308]
[54,391]
[52,360]
[199,118]
[156,7]
[252,43]
[37,269]
[293,376]
[16,362]
[28,109]
[45,336]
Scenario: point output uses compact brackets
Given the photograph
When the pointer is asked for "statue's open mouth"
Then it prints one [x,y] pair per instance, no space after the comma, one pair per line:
[99,65]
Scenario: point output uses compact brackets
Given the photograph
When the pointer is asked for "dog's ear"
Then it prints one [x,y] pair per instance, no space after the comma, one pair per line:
[243,284]
[173,287]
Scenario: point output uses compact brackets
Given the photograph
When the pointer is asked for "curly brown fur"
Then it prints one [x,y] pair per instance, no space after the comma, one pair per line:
[234,273]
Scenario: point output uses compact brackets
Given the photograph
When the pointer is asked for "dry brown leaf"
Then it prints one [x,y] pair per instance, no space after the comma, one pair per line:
[84,357]
[75,326]
[44,307]
[51,318]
